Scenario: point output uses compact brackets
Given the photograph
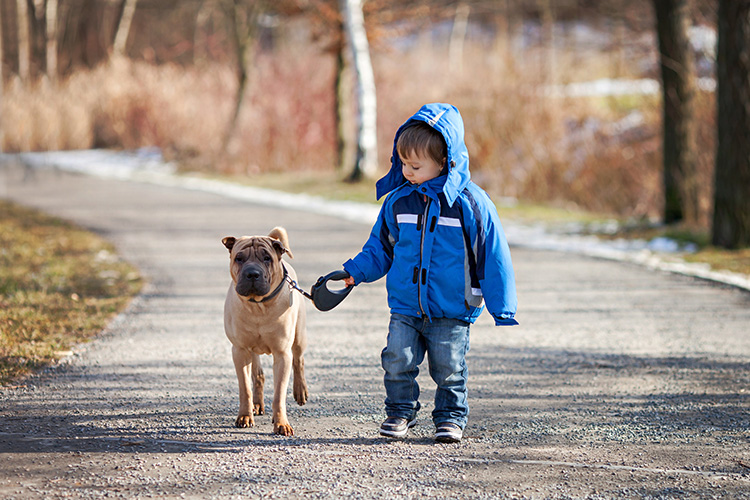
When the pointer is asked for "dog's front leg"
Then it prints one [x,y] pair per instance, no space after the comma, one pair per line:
[259,380]
[243,361]
[282,369]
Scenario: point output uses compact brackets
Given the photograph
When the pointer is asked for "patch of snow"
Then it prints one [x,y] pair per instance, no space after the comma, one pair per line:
[607,87]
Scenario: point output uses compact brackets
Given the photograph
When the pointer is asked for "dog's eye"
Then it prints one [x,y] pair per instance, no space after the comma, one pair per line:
[267,258]
[239,258]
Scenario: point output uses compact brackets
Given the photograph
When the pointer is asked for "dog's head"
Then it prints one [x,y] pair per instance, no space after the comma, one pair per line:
[255,261]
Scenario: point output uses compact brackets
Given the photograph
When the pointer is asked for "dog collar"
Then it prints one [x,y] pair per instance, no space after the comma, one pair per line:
[276,291]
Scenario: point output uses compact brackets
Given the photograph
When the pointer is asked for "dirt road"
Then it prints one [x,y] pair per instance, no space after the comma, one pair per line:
[620,382]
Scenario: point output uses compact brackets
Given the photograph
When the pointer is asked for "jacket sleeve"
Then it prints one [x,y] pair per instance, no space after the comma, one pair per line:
[494,267]
[375,259]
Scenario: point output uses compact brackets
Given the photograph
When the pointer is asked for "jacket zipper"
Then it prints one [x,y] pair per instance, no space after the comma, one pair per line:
[422,277]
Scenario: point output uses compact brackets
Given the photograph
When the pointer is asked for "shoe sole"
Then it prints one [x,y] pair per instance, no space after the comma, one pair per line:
[447,439]
[398,434]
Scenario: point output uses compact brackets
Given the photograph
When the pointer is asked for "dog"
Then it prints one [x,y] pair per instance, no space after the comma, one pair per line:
[262,315]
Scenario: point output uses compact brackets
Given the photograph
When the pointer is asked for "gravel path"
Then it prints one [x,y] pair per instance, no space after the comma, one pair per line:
[620,381]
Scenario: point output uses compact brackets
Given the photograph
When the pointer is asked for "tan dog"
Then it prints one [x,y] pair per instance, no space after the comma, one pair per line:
[262,315]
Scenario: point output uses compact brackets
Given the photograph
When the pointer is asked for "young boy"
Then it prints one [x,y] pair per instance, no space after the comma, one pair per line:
[439,240]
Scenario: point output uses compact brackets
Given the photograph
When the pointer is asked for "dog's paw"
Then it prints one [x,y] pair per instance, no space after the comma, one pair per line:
[259,409]
[244,421]
[283,429]
[300,393]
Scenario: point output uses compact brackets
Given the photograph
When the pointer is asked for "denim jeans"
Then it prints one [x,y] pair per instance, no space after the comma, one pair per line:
[446,342]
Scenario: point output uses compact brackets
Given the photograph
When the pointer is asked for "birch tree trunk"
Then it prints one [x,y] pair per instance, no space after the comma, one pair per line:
[51,15]
[123,27]
[458,36]
[24,47]
[731,222]
[200,37]
[367,142]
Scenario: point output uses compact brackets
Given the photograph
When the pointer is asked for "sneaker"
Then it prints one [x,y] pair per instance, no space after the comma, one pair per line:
[448,432]
[396,427]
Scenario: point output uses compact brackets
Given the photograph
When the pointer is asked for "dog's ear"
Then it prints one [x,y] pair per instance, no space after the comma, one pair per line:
[281,249]
[279,235]
[229,242]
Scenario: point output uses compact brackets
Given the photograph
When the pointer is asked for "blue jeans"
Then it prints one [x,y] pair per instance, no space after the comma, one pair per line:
[446,342]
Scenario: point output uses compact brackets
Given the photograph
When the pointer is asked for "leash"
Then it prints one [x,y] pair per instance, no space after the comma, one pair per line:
[323,298]
[288,280]
[294,285]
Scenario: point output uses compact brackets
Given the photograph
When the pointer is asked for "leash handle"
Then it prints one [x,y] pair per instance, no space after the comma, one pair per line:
[325,299]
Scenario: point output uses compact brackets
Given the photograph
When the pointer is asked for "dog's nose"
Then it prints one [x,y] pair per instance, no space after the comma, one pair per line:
[252,274]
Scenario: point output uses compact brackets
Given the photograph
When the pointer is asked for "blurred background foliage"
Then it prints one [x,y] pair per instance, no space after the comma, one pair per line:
[560,98]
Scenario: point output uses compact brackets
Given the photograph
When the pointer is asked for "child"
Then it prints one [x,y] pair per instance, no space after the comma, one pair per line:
[439,240]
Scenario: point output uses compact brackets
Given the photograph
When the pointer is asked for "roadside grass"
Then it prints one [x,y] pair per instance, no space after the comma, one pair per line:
[719,259]
[329,184]
[59,286]
[736,261]
[334,186]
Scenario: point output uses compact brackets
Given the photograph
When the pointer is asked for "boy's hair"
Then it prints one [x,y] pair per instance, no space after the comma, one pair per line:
[423,140]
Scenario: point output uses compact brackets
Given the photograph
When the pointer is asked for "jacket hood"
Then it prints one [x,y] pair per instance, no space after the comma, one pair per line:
[446,119]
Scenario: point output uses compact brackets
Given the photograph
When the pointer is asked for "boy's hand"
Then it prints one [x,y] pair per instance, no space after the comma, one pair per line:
[336,275]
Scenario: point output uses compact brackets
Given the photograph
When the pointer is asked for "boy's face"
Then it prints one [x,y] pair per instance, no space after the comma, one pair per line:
[418,168]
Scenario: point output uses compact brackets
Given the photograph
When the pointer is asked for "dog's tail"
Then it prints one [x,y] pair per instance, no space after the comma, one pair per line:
[279,233]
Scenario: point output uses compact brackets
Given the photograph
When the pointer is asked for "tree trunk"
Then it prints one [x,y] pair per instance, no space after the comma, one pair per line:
[2,58]
[242,19]
[200,37]
[24,41]
[343,103]
[731,220]
[2,80]
[123,28]
[678,118]
[458,36]
[367,141]
[548,69]
[51,21]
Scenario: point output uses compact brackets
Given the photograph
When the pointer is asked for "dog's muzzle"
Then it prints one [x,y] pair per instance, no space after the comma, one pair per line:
[252,280]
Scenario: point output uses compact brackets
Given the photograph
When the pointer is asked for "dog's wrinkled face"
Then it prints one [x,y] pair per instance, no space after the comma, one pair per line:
[255,264]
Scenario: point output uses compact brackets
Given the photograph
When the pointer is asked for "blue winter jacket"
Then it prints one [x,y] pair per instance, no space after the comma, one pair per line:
[445,256]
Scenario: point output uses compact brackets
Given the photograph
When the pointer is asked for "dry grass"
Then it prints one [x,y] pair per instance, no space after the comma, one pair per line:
[736,261]
[59,286]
